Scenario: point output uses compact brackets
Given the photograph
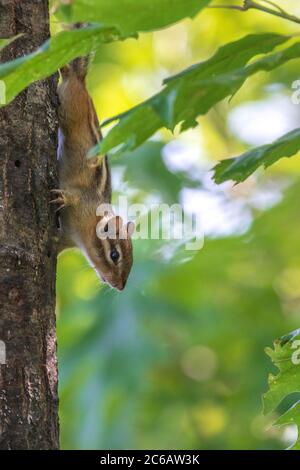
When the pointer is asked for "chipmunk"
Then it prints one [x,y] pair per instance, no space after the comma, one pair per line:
[85,184]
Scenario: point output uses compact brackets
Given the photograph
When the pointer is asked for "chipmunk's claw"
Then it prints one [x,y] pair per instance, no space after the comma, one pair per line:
[61,199]
[93,163]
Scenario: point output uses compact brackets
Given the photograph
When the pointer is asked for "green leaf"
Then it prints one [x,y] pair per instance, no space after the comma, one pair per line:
[5,42]
[239,168]
[53,54]
[286,357]
[145,169]
[292,416]
[193,92]
[132,16]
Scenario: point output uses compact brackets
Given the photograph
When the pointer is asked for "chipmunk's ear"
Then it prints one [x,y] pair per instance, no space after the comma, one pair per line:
[130,228]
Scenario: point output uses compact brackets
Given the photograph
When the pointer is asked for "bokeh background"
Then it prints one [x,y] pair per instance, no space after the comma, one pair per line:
[177,360]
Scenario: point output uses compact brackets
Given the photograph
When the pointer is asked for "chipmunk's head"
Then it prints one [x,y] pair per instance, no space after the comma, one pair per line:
[112,258]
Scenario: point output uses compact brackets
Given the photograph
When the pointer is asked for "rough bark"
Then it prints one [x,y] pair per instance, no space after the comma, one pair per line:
[28,130]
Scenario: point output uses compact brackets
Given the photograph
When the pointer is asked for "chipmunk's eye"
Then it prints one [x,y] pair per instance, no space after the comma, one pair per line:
[115,255]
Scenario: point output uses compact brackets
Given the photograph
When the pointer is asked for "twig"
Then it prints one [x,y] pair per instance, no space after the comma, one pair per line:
[275,6]
[231,7]
[251,5]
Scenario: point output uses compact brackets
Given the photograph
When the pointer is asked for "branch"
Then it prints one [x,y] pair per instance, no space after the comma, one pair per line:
[227,7]
[275,6]
[251,5]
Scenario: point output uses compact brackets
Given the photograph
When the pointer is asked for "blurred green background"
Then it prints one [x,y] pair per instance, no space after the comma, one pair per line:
[177,360]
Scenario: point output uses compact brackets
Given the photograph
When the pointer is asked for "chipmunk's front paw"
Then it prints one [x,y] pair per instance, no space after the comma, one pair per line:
[62,199]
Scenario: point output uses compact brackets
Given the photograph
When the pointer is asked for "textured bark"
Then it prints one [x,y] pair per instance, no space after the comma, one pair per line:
[28,131]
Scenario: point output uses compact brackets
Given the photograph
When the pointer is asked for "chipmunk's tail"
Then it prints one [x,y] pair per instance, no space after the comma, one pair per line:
[78,66]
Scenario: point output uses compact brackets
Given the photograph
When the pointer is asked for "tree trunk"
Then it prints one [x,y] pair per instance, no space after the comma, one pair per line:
[28,138]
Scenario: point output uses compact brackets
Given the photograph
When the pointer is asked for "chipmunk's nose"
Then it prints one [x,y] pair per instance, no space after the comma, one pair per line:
[121,285]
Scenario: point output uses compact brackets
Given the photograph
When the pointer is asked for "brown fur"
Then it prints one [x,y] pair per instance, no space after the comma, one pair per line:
[85,184]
